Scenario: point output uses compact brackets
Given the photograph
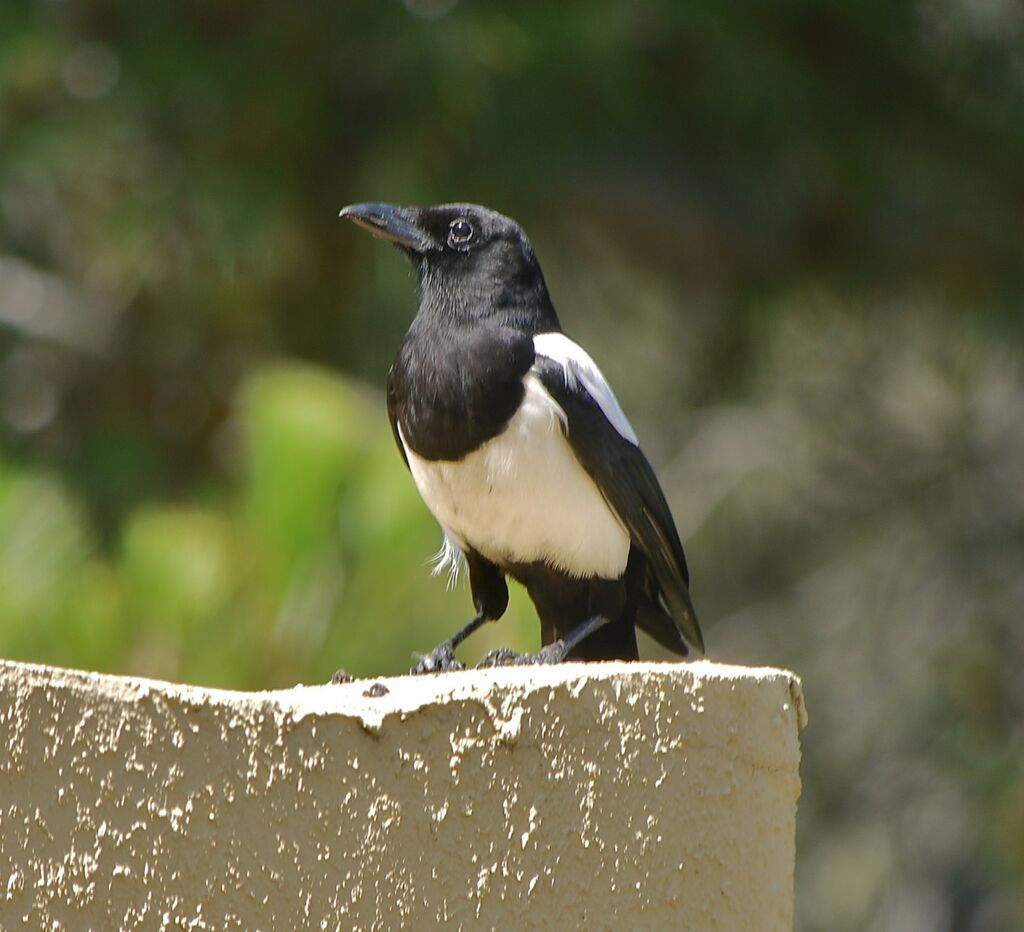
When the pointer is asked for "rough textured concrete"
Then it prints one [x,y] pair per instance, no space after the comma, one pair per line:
[601,796]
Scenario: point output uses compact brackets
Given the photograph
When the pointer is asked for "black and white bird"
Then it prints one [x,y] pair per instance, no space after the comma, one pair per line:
[521,451]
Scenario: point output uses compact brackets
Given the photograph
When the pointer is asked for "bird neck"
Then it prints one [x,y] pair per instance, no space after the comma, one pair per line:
[520,302]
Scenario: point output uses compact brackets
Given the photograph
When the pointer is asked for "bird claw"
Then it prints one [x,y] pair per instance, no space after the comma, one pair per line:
[499,657]
[552,653]
[441,659]
[506,657]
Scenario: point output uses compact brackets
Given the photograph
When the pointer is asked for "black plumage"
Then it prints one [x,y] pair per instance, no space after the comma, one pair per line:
[519,448]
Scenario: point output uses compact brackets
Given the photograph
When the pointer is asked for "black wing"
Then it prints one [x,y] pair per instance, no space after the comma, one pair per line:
[392,402]
[627,481]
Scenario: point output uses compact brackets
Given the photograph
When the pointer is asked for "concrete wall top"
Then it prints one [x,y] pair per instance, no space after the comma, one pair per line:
[600,796]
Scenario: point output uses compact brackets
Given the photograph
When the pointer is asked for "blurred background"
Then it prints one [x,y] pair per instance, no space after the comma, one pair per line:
[792,235]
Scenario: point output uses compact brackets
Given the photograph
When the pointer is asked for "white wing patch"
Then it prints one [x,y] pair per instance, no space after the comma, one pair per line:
[580,368]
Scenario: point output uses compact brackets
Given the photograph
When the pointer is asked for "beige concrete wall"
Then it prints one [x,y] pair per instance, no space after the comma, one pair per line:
[602,796]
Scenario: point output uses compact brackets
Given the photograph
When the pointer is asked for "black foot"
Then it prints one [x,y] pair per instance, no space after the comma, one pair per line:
[440,660]
[555,652]
[505,657]
[340,677]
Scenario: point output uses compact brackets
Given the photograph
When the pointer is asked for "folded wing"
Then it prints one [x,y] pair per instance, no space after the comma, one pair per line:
[606,447]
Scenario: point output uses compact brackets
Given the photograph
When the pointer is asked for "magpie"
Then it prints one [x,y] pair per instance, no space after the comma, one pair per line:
[520,450]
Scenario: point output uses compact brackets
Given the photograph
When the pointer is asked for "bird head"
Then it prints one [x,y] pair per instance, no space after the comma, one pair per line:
[469,259]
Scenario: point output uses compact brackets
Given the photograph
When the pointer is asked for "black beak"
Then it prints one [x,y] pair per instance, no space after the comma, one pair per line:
[397,225]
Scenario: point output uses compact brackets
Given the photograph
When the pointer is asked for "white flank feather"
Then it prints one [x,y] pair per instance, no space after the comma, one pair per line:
[523,497]
[449,559]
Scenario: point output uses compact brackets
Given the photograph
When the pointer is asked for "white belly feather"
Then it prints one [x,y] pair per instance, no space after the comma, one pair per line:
[523,497]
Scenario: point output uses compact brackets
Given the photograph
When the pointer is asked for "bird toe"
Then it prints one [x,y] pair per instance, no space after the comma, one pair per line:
[441,659]
[505,657]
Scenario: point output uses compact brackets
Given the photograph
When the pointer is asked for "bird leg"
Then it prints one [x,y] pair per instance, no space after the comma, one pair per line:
[555,652]
[442,658]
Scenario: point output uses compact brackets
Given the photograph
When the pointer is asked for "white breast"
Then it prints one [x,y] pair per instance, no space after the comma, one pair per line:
[523,497]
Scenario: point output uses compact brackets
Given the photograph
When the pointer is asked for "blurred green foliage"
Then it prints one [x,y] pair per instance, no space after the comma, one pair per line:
[315,559]
[791,235]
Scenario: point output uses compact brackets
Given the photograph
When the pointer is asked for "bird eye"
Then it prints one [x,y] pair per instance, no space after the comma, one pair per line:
[460,232]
